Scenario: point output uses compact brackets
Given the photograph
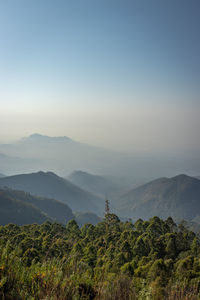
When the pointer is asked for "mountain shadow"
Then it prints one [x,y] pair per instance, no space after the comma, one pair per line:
[14,210]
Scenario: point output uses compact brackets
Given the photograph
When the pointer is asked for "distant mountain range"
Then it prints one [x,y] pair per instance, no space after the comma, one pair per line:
[52,186]
[178,197]
[33,198]
[2,175]
[109,187]
[60,154]
[63,155]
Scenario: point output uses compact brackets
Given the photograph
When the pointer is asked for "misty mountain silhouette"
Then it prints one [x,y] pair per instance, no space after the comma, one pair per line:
[52,186]
[60,154]
[44,138]
[96,184]
[63,155]
[178,197]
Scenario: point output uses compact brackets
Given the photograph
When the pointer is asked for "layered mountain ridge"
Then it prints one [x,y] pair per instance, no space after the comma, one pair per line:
[48,184]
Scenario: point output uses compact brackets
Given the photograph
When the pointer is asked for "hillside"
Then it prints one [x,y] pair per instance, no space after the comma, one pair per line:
[96,184]
[15,211]
[109,187]
[52,186]
[177,197]
[54,209]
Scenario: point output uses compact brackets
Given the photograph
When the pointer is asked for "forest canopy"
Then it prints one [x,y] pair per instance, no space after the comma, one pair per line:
[112,260]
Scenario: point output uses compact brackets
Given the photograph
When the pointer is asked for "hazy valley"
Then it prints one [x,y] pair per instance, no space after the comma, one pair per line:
[131,196]
[80,222]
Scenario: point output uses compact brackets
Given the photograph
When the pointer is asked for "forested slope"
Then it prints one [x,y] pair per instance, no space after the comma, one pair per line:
[152,259]
[20,208]
[15,211]
[177,197]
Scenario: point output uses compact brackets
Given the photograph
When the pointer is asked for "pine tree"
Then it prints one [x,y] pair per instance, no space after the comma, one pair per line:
[107,207]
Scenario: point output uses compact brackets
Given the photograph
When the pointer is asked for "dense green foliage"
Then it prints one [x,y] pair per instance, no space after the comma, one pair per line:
[152,259]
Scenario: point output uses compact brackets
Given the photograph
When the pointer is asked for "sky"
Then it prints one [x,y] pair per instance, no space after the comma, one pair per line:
[121,74]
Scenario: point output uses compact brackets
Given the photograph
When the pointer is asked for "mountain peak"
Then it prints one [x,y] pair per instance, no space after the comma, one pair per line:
[48,173]
[182,178]
[79,172]
[41,137]
[177,197]
[36,136]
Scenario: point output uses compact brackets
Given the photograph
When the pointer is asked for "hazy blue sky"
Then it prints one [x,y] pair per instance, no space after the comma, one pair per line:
[122,74]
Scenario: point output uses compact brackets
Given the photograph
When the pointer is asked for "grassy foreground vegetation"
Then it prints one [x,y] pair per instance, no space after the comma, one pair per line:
[116,260]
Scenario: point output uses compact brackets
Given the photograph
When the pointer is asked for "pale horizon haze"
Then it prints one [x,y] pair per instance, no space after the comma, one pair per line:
[123,75]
